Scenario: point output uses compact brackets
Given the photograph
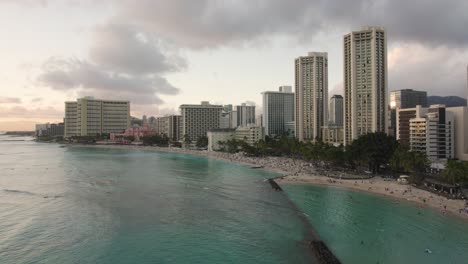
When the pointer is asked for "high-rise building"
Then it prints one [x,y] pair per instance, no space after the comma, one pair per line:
[245,115]
[403,117]
[71,119]
[233,119]
[407,98]
[153,123]
[278,109]
[460,115]
[199,119]
[311,91]
[225,121]
[403,99]
[433,134]
[170,126]
[335,113]
[365,83]
[285,89]
[90,117]
[259,120]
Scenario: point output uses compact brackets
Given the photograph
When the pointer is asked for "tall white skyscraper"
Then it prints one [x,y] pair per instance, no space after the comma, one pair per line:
[311,91]
[336,110]
[365,82]
[278,109]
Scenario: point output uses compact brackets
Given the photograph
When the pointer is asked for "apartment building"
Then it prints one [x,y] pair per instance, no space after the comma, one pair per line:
[311,95]
[365,83]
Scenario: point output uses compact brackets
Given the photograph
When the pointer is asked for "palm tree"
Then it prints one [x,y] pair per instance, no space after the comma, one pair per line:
[456,172]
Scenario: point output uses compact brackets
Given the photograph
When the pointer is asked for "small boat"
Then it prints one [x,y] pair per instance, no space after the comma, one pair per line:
[428,251]
[257,167]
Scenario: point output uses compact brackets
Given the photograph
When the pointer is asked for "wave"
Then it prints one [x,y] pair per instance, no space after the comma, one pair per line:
[19,191]
[45,196]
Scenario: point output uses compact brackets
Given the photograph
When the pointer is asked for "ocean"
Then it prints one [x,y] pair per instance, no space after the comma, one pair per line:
[78,204]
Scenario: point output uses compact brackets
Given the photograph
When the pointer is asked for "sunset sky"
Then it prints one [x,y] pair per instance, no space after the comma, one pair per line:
[160,54]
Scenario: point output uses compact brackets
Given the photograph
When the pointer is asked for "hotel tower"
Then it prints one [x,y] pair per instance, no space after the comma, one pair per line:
[311,95]
[365,83]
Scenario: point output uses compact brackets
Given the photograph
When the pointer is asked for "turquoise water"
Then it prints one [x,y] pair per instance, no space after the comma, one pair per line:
[95,205]
[91,205]
[391,231]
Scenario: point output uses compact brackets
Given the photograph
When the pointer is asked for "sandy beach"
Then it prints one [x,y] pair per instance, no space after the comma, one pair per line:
[301,172]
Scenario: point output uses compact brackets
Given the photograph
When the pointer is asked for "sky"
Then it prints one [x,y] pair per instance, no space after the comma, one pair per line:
[161,54]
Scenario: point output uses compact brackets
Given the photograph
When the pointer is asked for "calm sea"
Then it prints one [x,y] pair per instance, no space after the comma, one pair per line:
[95,205]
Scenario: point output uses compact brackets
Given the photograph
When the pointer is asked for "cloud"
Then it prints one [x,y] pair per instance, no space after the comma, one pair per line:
[23,112]
[440,71]
[123,63]
[37,100]
[9,100]
[124,48]
[205,23]
[27,3]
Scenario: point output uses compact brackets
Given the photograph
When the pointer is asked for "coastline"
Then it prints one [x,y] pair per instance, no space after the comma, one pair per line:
[301,172]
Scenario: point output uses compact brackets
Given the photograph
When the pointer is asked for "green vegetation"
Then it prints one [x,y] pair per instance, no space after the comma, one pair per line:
[156,140]
[372,150]
[456,172]
[48,138]
[375,152]
[202,142]
[410,162]
[186,139]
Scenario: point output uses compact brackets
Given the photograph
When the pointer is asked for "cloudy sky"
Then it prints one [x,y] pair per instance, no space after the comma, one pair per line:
[160,54]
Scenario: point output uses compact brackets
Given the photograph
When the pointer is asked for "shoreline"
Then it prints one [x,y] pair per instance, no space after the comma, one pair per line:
[303,173]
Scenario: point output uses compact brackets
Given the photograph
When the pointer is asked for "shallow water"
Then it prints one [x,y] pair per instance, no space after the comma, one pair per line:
[91,205]
[364,228]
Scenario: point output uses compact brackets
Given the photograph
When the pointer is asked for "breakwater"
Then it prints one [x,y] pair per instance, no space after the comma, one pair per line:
[319,249]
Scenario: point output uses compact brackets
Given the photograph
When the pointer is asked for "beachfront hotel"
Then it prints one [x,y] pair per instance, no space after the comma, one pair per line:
[278,109]
[90,117]
[197,120]
[365,82]
[311,91]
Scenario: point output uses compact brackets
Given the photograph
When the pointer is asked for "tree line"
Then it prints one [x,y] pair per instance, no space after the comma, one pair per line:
[375,152]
